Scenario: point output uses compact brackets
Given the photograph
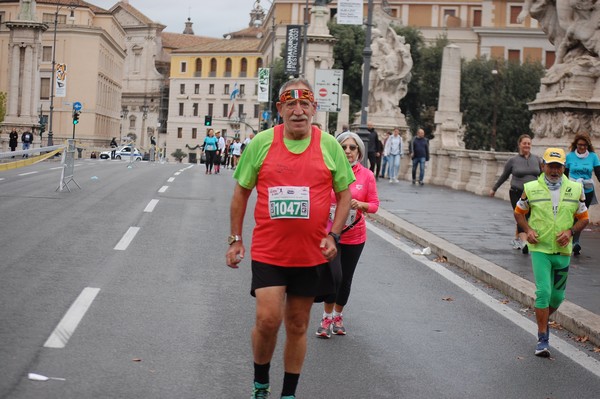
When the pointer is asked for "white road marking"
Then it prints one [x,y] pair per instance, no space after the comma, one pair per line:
[570,351]
[1,178]
[151,205]
[66,327]
[163,189]
[177,173]
[127,238]
[170,180]
[58,167]
[28,173]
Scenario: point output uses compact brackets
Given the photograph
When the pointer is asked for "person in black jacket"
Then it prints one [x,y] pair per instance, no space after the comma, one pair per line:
[13,139]
[373,151]
[419,152]
[27,139]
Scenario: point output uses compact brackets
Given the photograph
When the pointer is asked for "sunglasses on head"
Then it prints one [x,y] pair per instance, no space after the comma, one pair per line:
[352,147]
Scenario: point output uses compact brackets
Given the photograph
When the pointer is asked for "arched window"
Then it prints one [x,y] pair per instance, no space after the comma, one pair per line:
[243,68]
[259,64]
[228,66]
[198,72]
[213,67]
[132,119]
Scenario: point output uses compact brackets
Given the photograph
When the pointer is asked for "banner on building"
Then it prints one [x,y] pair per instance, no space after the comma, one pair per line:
[293,50]
[61,80]
[263,85]
[350,12]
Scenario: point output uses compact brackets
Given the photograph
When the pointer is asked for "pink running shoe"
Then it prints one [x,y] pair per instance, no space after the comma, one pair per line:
[324,330]
[338,326]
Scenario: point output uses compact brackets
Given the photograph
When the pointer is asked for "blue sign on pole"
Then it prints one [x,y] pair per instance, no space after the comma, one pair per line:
[77,106]
[266,115]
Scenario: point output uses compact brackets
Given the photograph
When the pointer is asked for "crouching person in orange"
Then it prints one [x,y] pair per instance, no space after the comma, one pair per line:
[554,202]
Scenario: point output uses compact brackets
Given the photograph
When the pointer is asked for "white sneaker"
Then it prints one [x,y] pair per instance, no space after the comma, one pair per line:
[395,180]
[391,180]
[517,244]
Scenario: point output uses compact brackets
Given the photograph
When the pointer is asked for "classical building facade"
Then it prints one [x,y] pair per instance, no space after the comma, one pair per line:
[90,45]
[219,80]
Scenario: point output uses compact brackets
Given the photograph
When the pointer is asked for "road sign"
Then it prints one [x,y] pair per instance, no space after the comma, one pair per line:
[266,115]
[77,106]
[328,85]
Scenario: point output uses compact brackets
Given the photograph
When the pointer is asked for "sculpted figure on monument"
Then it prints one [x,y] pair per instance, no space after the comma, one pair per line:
[391,63]
[571,25]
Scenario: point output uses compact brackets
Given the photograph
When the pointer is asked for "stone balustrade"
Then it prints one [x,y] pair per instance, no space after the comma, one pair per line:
[470,170]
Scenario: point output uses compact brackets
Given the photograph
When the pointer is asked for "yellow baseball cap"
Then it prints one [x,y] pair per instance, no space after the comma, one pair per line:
[556,155]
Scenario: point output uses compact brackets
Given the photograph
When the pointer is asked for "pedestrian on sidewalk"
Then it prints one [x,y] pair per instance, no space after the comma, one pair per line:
[354,234]
[13,140]
[26,139]
[293,167]
[553,202]
[384,167]
[523,168]
[209,147]
[373,147]
[582,161]
[393,150]
[419,152]
[220,151]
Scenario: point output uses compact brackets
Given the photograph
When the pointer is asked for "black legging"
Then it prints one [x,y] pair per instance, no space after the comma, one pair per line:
[348,255]
[210,159]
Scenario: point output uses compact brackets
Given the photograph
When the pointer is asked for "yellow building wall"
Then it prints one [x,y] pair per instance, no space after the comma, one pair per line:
[236,66]
[419,15]
[497,52]
[532,54]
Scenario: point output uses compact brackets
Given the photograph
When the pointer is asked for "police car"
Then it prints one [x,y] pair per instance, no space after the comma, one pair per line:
[123,152]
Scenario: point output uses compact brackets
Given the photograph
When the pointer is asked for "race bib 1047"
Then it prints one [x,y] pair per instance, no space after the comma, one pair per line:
[289,202]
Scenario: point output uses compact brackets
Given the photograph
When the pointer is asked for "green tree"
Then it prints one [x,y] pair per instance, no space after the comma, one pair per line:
[508,91]
[348,55]
[2,106]
[178,154]
[411,104]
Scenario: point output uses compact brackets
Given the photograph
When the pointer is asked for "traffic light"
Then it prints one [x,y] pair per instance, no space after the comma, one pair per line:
[207,120]
[43,120]
[76,117]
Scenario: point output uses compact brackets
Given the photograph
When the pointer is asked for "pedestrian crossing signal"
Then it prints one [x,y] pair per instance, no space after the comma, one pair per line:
[207,120]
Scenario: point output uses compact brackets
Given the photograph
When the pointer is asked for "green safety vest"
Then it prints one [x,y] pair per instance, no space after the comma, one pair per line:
[542,218]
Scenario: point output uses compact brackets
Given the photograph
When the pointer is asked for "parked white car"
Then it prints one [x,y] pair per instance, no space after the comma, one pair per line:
[123,152]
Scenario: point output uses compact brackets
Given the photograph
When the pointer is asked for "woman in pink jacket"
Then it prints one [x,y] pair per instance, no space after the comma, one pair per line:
[353,237]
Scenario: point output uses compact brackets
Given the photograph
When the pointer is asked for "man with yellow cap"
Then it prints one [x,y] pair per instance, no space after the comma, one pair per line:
[554,202]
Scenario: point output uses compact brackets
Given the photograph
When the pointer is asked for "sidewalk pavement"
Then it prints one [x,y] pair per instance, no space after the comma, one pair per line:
[475,233]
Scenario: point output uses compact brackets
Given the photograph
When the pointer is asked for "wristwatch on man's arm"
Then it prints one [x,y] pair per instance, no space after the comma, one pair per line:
[233,239]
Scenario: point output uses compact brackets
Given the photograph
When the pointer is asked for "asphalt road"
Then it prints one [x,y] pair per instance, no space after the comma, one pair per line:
[165,318]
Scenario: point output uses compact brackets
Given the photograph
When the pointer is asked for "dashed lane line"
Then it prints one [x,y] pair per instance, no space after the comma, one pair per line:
[66,327]
[151,205]
[28,173]
[170,180]
[163,189]
[570,351]
[127,239]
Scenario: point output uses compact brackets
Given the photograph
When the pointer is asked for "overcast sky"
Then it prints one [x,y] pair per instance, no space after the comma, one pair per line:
[210,17]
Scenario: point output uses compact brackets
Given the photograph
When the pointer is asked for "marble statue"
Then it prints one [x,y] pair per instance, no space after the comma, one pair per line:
[571,25]
[389,75]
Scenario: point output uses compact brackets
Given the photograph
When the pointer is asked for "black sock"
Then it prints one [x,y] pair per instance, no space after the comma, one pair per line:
[290,382]
[261,373]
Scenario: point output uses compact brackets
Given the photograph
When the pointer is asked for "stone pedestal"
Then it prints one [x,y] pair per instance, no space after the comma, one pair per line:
[568,103]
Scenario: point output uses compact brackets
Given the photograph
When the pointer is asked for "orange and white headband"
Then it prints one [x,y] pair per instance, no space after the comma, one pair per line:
[297,94]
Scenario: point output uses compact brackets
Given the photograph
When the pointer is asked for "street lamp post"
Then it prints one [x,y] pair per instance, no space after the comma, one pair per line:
[494,111]
[124,112]
[71,7]
[364,103]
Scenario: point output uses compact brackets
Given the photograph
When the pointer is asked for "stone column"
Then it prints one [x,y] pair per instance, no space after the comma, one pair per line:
[448,118]
[27,82]
[13,91]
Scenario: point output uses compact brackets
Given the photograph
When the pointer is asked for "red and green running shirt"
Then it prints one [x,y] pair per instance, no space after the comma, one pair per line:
[293,180]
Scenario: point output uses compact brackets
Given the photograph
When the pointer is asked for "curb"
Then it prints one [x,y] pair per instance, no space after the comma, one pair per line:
[572,317]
